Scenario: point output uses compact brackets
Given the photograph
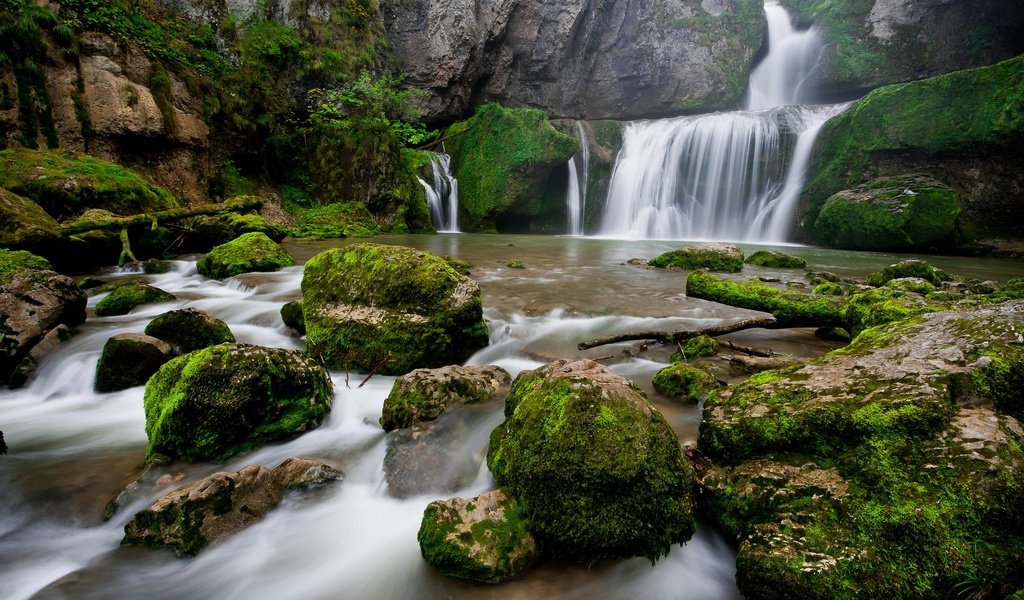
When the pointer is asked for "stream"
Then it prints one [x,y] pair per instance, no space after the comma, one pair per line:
[71,449]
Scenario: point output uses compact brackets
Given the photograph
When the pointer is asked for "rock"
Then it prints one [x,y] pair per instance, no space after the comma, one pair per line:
[338,220]
[500,189]
[291,314]
[33,303]
[686,382]
[189,329]
[46,346]
[211,509]
[24,224]
[790,308]
[248,253]
[908,268]
[432,456]
[205,232]
[709,255]
[696,347]
[389,309]
[224,400]
[827,288]
[597,470]
[878,307]
[423,394]
[128,360]
[875,466]
[124,298]
[911,284]
[775,259]
[481,539]
[13,262]
[155,266]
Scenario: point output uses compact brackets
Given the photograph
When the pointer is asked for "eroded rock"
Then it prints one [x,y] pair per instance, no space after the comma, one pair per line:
[423,394]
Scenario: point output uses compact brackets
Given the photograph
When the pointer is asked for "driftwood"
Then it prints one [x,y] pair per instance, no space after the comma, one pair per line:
[669,337]
[173,214]
[746,349]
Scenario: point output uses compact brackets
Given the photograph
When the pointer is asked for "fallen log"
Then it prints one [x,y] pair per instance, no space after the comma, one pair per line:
[174,214]
[670,337]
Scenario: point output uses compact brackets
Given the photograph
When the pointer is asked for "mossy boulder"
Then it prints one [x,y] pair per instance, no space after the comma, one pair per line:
[790,308]
[597,470]
[189,329]
[124,298]
[891,467]
[250,252]
[714,256]
[338,220]
[503,158]
[484,539]
[13,262]
[911,284]
[390,309]
[910,211]
[128,360]
[908,268]
[155,266]
[422,395]
[206,231]
[828,288]
[775,259]
[686,382]
[291,315]
[24,224]
[868,309]
[696,347]
[224,400]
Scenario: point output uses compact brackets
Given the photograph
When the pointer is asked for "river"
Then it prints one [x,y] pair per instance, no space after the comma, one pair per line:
[72,449]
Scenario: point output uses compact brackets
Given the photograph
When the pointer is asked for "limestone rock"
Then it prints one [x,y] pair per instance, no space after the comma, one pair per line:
[715,256]
[189,329]
[422,394]
[128,360]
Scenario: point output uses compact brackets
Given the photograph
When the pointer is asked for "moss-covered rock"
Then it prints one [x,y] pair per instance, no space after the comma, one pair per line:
[189,329]
[224,400]
[13,262]
[911,284]
[128,360]
[790,308]
[909,211]
[339,220]
[686,382]
[597,470]
[708,255]
[503,159]
[908,268]
[250,252]
[696,347]
[878,307]
[422,394]
[827,288]
[155,266]
[389,309]
[481,539]
[205,232]
[124,298]
[775,259]
[291,315]
[24,224]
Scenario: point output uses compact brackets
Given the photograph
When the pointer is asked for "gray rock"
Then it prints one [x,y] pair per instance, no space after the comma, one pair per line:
[130,359]
[189,329]
[422,394]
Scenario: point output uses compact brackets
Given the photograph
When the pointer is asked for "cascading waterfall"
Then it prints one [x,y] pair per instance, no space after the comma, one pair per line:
[733,175]
[576,197]
[443,195]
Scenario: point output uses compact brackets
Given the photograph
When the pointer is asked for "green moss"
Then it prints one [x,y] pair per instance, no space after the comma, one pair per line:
[775,259]
[877,307]
[911,284]
[696,347]
[339,220]
[291,314]
[908,268]
[713,256]
[790,309]
[124,298]
[13,262]
[515,263]
[205,232]
[24,224]
[248,253]
[189,329]
[681,380]
[827,288]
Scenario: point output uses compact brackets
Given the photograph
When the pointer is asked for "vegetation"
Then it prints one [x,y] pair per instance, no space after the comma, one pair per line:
[686,382]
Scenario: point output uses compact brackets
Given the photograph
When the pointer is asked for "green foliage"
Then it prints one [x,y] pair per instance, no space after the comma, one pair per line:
[13,262]
[339,220]
[124,298]
[248,253]
[23,47]
[696,347]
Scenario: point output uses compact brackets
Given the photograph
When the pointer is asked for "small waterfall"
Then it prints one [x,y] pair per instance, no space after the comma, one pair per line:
[733,176]
[443,195]
[576,197]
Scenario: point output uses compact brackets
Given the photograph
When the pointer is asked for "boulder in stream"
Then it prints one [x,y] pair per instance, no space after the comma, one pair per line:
[714,256]
[247,253]
[126,297]
[434,456]
[597,470]
[389,309]
[223,400]
[775,259]
[291,314]
[189,329]
[686,382]
[130,359]
[422,394]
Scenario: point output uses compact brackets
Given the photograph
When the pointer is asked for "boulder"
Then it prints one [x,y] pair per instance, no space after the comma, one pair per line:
[482,539]
[597,470]
[775,259]
[13,262]
[189,329]
[128,360]
[205,232]
[790,308]
[291,314]
[24,224]
[422,394]
[686,382]
[908,268]
[248,253]
[224,400]
[432,456]
[389,309]
[202,513]
[714,256]
[155,266]
[124,298]
[916,285]
[696,347]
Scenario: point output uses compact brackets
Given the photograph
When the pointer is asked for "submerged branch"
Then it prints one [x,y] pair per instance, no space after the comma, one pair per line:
[669,337]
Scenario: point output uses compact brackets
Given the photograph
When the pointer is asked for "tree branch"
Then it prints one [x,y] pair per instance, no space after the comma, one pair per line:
[669,337]
[174,214]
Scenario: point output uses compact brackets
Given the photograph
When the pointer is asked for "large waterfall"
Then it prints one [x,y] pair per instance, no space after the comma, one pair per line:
[576,195]
[443,195]
[725,176]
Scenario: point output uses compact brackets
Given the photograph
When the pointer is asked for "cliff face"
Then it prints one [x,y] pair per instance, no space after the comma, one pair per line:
[591,59]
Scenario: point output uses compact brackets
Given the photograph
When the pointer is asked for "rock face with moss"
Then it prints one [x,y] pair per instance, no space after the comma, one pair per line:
[250,252]
[775,259]
[790,308]
[686,382]
[205,232]
[423,394]
[218,402]
[389,309]
[482,539]
[892,467]
[503,159]
[963,129]
[714,256]
[211,509]
[124,298]
[189,329]
[338,220]
[597,470]
[24,224]
[130,359]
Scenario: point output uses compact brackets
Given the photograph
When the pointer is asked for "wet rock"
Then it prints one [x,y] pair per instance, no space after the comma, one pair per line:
[775,259]
[202,513]
[189,329]
[124,298]
[130,359]
[914,285]
[248,253]
[598,471]
[389,309]
[431,457]
[686,382]
[227,399]
[827,288]
[291,314]
[714,256]
[908,268]
[154,266]
[790,308]
[205,232]
[422,394]
[696,347]
[481,539]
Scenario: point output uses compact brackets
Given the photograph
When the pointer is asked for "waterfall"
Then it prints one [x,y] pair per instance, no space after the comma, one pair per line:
[443,195]
[576,196]
[735,175]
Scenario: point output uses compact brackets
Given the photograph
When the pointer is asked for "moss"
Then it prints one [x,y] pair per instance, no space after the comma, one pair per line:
[515,263]
[827,288]
[911,284]
[205,232]
[681,380]
[790,309]
[189,329]
[13,262]
[1013,289]
[24,224]
[339,220]
[775,259]
[227,399]
[877,307]
[908,268]
[715,257]
[696,347]
[291,314]
[248,253]
[124,298]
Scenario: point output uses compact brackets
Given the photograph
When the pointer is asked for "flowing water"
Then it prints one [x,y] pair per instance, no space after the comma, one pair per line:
[73,449]
[576,196]
[443,194]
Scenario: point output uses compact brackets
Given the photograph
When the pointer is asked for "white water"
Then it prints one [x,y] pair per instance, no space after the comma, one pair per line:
[576,197]
[443,195]
[724,176]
